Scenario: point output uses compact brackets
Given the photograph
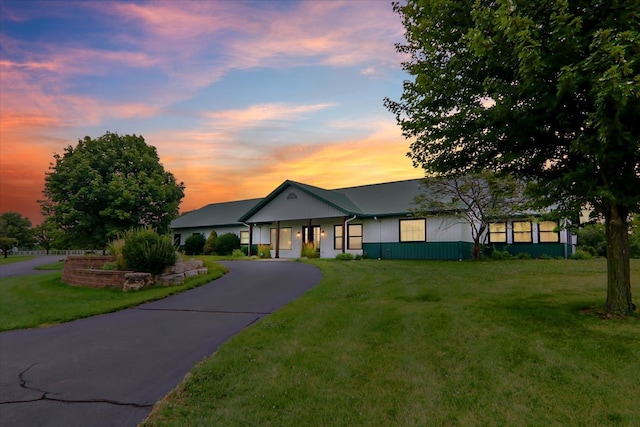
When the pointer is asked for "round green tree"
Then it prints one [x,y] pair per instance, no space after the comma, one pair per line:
[107,185]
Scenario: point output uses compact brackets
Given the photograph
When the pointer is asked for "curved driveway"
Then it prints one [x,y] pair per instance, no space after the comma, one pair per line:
[109,370]
[28,267]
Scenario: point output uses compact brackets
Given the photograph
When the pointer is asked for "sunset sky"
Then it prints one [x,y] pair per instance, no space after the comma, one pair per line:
[237,96]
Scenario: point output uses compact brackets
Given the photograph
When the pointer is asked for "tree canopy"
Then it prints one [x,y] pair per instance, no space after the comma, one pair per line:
[547,91]
[14,226]
[107,185]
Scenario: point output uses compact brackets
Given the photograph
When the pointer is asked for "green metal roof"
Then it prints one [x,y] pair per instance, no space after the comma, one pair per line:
[215,214]
[391,198]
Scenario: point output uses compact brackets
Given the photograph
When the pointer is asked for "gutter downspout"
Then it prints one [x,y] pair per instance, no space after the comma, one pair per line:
[346,232]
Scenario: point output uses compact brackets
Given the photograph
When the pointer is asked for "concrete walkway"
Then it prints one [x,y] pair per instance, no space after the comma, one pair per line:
[109,370]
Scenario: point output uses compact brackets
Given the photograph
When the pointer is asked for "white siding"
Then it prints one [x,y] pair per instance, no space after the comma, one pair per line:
[303,206]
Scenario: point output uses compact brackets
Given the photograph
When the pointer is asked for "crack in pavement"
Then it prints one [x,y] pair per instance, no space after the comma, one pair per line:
[45,395]
[260,313]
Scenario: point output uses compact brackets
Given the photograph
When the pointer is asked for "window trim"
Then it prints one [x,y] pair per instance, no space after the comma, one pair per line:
[424,222]
[556,233]
[337,237]
[504,233]
[521,233]
[350,236]
[272,241]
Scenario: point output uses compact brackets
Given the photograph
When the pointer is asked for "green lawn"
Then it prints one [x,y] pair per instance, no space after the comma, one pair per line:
[41,300]
[401,343]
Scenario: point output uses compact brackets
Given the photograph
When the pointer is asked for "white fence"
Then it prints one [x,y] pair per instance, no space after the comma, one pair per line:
[55,252]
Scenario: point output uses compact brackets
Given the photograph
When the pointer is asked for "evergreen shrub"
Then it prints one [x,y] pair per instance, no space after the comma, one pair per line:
[194,245]
[226,243]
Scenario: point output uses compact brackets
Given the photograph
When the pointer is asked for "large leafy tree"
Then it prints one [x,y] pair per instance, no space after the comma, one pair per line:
[15,231]
[107,185]
[547,90]
[475,198]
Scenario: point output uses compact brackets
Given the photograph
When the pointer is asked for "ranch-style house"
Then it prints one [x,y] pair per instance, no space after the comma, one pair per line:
[370,220]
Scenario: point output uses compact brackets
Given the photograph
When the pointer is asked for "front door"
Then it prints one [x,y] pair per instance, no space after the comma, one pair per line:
[311,237]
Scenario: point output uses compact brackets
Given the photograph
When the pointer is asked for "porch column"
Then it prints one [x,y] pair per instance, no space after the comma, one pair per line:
[344,234]
[277,239]
[250,239]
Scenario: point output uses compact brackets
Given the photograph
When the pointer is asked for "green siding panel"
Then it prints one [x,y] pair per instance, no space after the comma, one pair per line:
[535,249]
[419,250]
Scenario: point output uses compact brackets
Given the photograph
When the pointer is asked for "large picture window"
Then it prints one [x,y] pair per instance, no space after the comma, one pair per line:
[285,238]
[548,232]
[498,232]
[413,230]
[355,236]
[337,237]
[522,232]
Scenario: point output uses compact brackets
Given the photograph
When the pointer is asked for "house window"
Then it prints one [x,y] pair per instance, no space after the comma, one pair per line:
[177,238]
[413,230]
[498,232]
[244,237]
[355,236]
[522,232]
[285,238]
[337,237]
[548,232]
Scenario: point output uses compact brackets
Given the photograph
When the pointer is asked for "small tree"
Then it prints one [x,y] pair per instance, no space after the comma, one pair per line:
[477,199]
[210,245]
[6,244]
[46,234]
[226,243]
[194,245]
[14,225]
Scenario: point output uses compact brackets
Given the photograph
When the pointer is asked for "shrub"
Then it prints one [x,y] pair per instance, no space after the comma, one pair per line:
[238,253]
[523,255]
[115,248]
[500,255]
[545,256]
[194,245]
[264,251]
[580,255]
[346,256]
[309,251]
[111,266]
[595,236]
[590,249]
[210,245]
[226,243]
[146,251]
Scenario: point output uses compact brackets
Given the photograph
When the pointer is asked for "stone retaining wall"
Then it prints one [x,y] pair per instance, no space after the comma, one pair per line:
[86,271]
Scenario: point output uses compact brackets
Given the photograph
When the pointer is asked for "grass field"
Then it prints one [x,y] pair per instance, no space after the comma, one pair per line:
[401,343]
[41,300]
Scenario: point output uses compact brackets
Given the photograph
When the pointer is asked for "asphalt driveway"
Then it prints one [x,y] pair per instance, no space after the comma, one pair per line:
[28,267]
[109,370]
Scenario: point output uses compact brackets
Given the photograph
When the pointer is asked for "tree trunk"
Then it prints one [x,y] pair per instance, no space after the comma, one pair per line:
[618,269]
